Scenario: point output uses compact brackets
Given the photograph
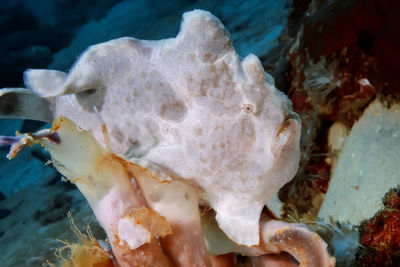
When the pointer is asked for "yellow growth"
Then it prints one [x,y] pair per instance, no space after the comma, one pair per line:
[156,224]
[85,253]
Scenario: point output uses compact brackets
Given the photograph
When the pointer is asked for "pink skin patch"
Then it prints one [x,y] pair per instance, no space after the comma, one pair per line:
[132,233]
[110,210]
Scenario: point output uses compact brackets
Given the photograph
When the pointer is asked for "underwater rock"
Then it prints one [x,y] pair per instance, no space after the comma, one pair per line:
[25,240]
[250,31]
[4,213]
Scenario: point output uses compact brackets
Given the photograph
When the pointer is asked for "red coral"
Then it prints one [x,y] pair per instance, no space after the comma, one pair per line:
[371,25]
[380,236]
[382,230]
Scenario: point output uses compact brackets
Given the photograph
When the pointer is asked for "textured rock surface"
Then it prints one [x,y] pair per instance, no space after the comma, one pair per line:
[254,25]
[367,167]
[186,108]
[28,235]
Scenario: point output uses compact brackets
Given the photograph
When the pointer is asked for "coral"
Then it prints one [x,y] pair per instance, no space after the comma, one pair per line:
[338,68]
[380,238]
[86,252]
[336,87]
[357,25]
[342,239]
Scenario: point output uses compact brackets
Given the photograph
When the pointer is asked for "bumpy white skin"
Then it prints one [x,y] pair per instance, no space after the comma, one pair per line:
[186,108]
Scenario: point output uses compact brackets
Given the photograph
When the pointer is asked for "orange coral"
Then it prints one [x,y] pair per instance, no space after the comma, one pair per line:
[87,252]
